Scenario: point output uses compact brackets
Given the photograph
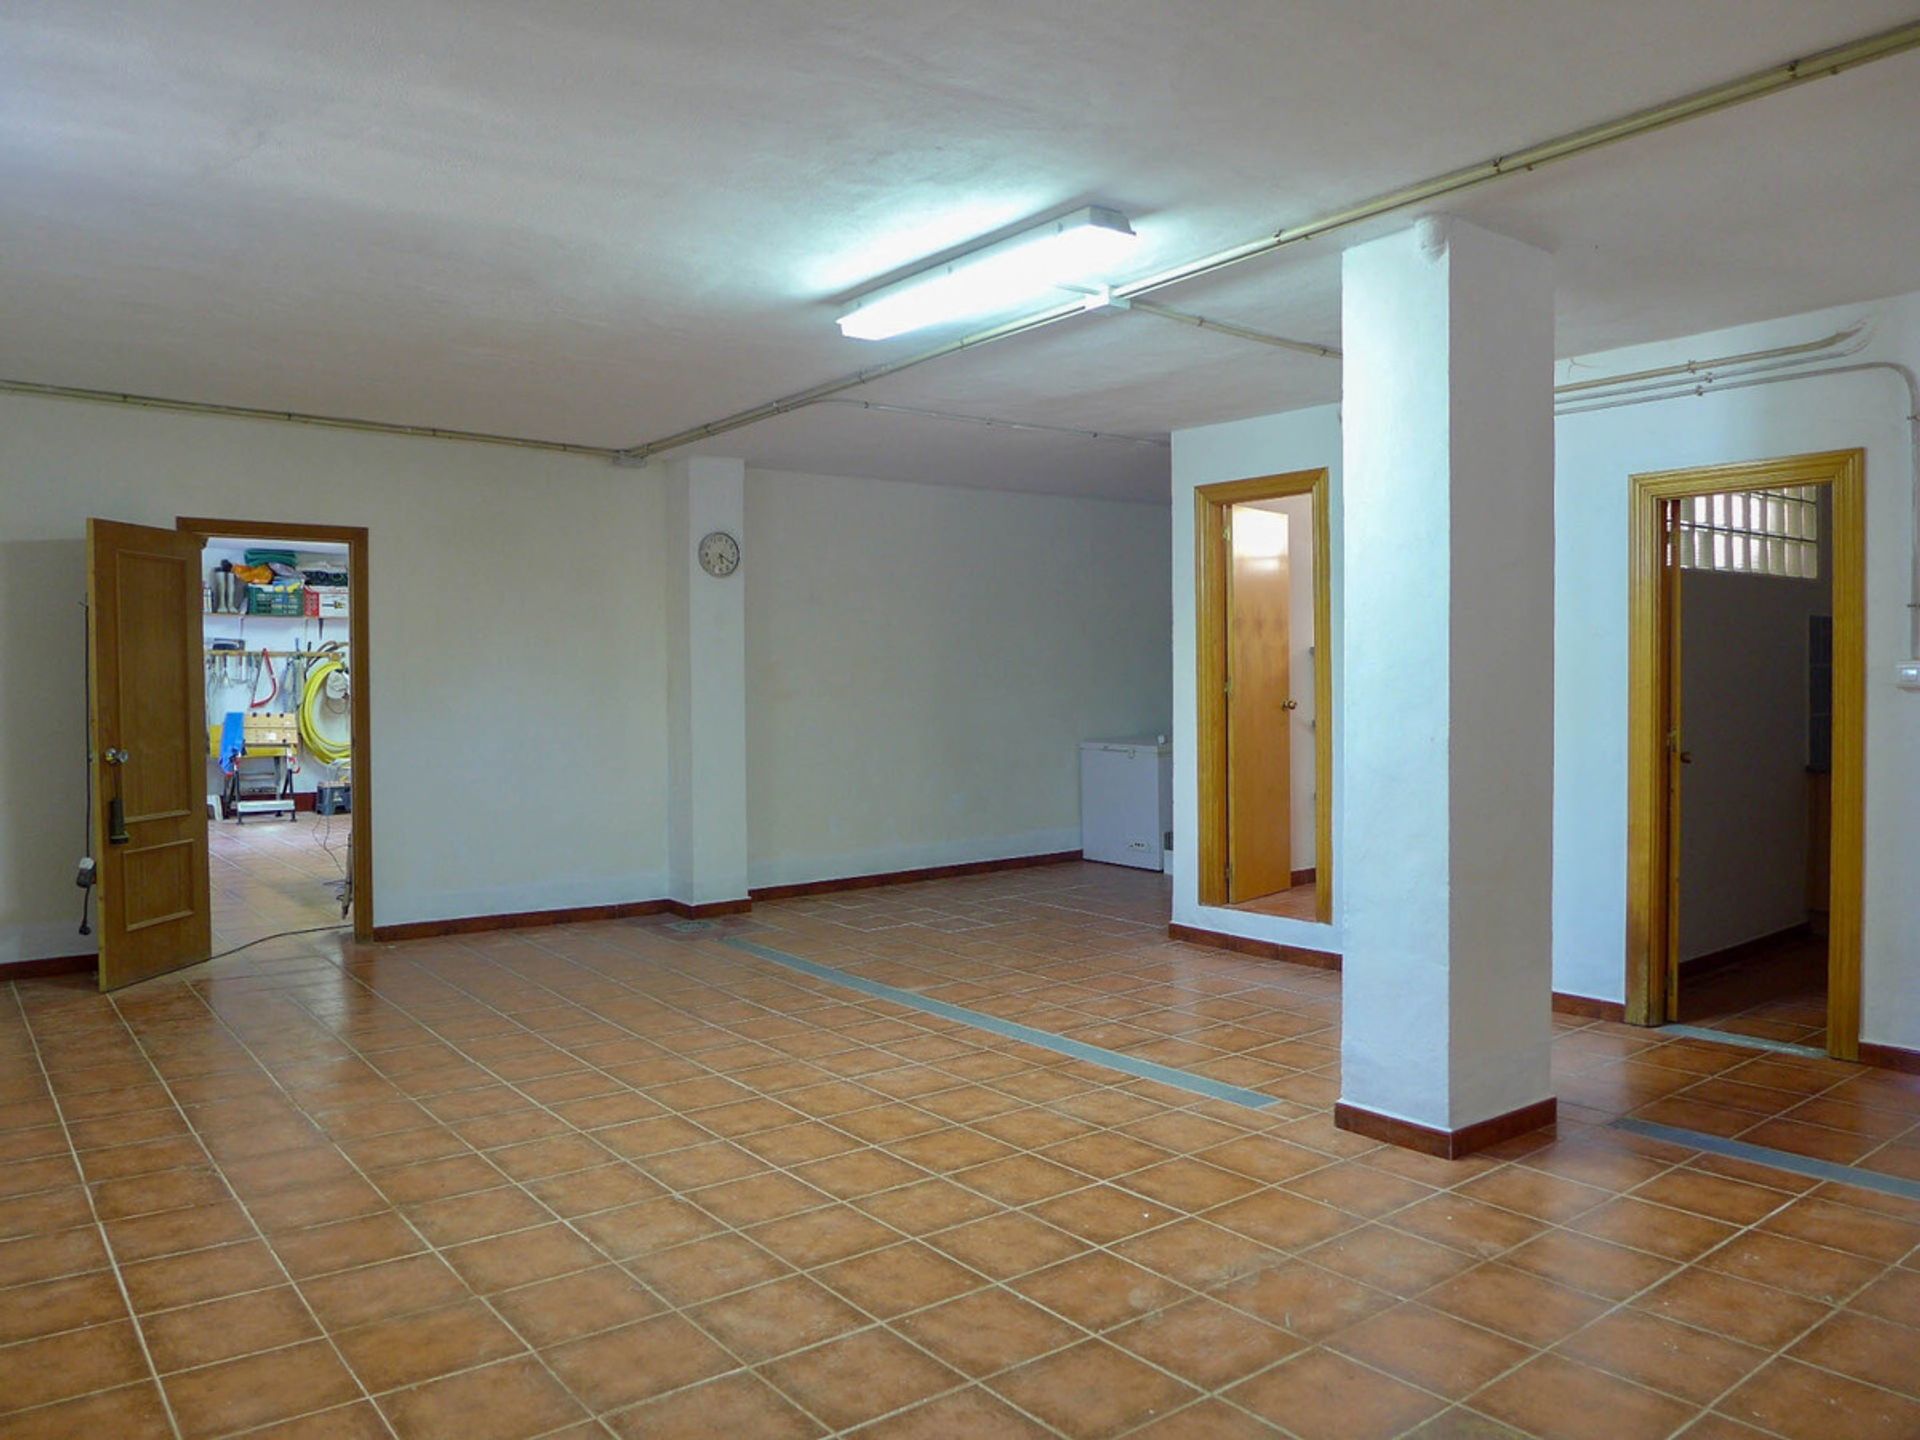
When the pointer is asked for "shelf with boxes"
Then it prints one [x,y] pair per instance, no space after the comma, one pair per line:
[278,680]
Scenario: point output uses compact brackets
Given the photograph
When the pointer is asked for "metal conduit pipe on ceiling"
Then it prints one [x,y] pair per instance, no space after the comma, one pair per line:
[1833,61]
[996,424]
[1680,390]
[1702,372]
[1805,347]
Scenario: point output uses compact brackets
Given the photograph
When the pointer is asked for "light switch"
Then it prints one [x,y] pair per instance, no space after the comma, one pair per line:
[1907,674]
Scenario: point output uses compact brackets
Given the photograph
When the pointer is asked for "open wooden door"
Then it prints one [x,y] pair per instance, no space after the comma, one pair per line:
[1259,707]
[149,743]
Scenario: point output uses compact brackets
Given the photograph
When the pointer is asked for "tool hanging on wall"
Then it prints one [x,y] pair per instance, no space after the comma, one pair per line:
[325,698]
[266,661]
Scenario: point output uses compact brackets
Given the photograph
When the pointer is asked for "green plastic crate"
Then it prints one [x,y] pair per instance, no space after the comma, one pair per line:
[276,600]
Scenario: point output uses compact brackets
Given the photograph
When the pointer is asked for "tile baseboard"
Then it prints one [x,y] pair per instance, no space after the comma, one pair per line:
[1446,1144]
[708,910]
[1589,1008]
[1259,949]
[51,965]
[1890,1057]
[516,920]
[955,871]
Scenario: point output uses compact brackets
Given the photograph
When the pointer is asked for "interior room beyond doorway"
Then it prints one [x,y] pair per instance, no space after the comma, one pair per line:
[1747,660]
[1265,728]
[280,758]
[1754,650]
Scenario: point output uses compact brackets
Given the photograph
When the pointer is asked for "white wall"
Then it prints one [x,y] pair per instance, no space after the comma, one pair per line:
[1595,455]
[517,680]
[1743,805]
[1243,450]
[922,662]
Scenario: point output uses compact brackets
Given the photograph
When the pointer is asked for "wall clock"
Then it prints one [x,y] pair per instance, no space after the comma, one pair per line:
[719,554]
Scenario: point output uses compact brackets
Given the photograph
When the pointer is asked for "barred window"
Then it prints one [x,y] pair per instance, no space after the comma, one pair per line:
[1752,532]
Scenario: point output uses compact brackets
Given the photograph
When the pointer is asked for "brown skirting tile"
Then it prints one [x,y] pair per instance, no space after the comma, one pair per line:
[1447,1144]
[1890,1057]
[1588,1008]
[908,877]
[1260,949]
[578,914]
[52,965]
[518,920]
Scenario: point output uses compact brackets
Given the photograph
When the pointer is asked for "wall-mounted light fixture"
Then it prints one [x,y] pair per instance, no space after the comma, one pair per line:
[1072,251]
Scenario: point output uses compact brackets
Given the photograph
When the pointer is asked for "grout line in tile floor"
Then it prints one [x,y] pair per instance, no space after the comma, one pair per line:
[991,1283]
[693,999]
[259,1231]
[1788,1200]
[93,1209]
[875,1321]
[428,1247]
[826,1200]
[1010,1030]
[670,1306]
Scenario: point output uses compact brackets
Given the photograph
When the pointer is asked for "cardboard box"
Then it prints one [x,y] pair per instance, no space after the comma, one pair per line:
[327,602]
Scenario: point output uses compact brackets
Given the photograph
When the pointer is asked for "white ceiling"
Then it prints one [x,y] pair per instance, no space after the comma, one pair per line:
[605,222]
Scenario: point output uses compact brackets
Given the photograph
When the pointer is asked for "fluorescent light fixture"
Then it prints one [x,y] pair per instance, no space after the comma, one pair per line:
[1021,268]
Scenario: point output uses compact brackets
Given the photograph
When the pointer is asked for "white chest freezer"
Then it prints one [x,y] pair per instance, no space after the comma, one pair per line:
[1126,801]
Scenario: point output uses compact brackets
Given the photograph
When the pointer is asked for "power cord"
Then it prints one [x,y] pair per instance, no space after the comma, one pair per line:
[310,930]
[86,876]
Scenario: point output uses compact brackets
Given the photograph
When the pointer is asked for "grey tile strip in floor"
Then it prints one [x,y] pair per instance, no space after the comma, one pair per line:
[1779,1159]
[1026,1034]
[1749,1042]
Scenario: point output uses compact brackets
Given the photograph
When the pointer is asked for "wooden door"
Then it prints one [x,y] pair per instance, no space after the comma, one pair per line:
[149,741]
[1259,707]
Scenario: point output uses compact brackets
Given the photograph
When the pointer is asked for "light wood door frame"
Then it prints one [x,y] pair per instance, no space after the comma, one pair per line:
[360,817]
[1651,844]
[1213,563]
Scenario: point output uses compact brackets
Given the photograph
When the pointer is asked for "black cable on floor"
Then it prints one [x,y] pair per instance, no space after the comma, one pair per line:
[284,934]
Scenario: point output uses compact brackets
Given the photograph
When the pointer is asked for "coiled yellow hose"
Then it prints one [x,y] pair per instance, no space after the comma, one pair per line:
[320,745]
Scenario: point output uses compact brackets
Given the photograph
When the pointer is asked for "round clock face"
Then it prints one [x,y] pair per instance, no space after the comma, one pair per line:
[719,553]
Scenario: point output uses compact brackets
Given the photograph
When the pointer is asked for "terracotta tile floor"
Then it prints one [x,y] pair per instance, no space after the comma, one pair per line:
[627,1180]
[1295,904]
[1778,992]
[268,876]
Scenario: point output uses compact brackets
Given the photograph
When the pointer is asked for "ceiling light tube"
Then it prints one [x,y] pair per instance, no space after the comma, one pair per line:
[1072,249]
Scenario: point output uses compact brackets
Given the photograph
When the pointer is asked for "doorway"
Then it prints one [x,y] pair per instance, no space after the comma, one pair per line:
[229,719]
[1265,696]
[1746,729]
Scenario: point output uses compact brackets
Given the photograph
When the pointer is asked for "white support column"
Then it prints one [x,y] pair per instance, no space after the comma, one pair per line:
[1447,724]
[707,687]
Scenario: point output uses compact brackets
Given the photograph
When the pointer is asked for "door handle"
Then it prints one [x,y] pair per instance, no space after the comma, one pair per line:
[115,757]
